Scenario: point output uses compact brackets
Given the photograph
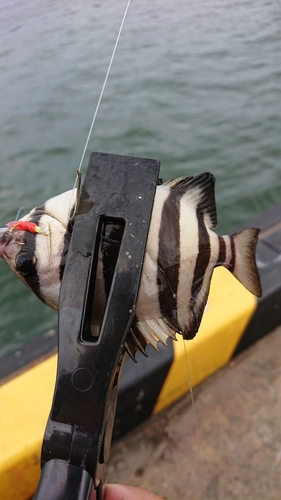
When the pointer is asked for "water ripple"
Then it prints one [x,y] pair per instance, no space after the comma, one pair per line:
[195,84]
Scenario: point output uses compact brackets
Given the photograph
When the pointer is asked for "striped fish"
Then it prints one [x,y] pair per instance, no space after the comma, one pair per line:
[181,254]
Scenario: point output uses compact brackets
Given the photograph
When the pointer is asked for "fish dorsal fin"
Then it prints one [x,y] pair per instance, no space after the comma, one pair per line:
[201,191]
[177,183]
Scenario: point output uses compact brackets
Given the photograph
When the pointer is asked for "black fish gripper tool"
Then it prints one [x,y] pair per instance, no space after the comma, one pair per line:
[109,239]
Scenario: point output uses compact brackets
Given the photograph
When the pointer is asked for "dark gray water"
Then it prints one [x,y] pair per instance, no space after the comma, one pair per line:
[195,83]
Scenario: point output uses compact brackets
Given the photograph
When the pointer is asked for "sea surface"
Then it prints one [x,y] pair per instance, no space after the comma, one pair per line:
[194,83]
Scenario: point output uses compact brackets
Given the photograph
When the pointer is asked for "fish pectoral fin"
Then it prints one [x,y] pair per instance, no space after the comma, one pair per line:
[201,194]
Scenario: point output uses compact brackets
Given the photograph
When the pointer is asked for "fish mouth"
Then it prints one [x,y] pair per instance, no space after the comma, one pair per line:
[5,238]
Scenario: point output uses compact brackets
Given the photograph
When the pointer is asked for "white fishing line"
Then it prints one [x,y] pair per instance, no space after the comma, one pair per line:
[75,185]
[102,90]
[19,212]
[195,421]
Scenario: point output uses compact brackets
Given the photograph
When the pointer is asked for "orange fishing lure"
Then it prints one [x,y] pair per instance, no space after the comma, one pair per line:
[21,225]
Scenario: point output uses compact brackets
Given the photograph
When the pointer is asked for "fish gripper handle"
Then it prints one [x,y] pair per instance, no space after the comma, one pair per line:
[118,192]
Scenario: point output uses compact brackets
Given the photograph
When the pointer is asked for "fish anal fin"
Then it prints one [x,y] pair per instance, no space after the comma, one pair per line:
[190,315]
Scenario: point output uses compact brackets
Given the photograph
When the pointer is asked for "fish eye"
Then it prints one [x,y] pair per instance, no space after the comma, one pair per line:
[25,263]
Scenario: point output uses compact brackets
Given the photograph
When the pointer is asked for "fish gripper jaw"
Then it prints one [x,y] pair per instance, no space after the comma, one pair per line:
[118,192]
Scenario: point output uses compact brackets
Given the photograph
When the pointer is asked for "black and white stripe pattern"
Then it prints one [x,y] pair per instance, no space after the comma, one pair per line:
[148,319]
[25,263]
[181,254]
[168,260]
[49,251]
[227,252]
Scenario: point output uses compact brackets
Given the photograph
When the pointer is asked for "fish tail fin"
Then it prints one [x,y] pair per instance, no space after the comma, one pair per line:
[243,264]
